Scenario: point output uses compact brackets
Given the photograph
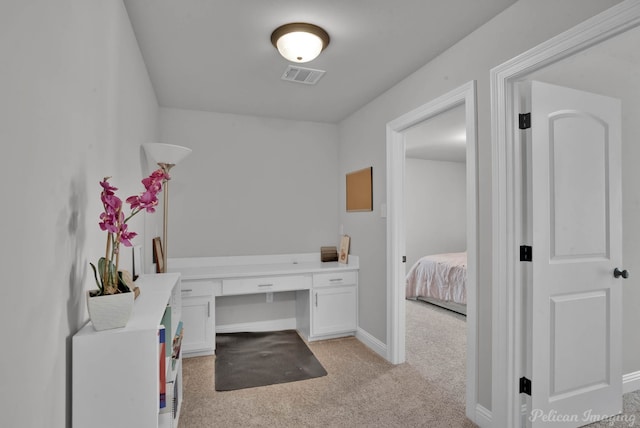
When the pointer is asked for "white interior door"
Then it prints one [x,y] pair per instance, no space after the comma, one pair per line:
[575,315]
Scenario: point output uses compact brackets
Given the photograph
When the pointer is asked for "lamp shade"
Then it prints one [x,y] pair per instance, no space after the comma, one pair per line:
[299,41]
[166,153]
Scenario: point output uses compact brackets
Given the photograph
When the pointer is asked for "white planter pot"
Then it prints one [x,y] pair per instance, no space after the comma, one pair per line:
[110,311]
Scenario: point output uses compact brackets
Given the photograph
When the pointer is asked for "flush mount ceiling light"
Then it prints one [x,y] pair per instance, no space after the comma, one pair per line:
[299,41]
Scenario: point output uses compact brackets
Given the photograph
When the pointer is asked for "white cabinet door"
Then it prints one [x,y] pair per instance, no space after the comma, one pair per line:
[334,310]
[198,324]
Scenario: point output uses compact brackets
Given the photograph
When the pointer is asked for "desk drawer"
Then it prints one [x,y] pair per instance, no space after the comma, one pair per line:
[335,278]
[267,284]
[197,288]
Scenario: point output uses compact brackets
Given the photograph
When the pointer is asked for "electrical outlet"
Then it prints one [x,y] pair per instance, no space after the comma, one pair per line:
[269,297]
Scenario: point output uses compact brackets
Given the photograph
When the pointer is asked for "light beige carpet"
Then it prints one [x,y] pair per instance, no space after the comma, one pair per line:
[630,416]
[436,345]
[360,390]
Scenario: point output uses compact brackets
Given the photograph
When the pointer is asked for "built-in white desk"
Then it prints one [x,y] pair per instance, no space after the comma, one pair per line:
[326,302]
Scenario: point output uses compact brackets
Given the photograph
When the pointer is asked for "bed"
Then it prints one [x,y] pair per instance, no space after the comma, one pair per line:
[440,279]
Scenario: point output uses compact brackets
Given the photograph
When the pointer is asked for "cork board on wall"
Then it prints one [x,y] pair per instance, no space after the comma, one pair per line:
[360,190]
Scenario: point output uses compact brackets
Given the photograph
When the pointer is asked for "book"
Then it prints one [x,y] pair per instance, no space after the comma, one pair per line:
[169,399]
[163,367]
[177,344]
[176,398]
[166,323]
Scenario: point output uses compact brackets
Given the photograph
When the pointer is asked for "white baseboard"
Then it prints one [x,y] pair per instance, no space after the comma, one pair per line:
[273,325]
[483,416]
[371,342]
[631,382]
[189,354]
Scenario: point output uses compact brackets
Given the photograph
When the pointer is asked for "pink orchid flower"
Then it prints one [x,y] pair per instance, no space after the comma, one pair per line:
[114,222]
[126,236]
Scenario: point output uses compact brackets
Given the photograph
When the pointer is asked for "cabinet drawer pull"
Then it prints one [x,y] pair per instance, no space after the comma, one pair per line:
[316,300]
[208,309]
[187,290]
[335,279]
[265,285]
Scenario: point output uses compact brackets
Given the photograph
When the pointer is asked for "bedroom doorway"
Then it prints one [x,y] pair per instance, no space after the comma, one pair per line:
[435,209]
[398,132]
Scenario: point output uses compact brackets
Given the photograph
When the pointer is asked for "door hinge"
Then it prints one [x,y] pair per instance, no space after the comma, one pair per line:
[404,259]
[526,253]
[525,386]
[524,120]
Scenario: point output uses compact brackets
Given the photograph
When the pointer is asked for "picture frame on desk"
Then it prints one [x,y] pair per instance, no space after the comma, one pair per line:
[158,255]
[136,261]
[344,249]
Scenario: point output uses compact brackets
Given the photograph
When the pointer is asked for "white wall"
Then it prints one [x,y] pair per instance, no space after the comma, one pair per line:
[252,185]
[435,208]
[363,142]
[76,104]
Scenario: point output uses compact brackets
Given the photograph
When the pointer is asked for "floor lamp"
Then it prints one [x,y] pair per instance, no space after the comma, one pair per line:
[166,156]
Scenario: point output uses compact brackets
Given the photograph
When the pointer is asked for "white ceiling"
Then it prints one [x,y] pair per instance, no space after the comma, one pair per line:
[216,55]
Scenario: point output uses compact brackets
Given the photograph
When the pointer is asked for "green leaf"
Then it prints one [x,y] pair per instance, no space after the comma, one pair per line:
[112,277]
[122,286]
[95,275]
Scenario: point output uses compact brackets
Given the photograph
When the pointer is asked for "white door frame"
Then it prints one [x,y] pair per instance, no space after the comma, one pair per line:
[507,293]
[465,94]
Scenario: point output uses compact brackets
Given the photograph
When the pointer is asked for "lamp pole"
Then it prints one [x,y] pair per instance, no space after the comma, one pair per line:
[166,156]
[166,167]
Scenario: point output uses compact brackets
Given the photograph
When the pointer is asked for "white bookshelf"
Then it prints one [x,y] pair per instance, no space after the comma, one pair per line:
[116,372]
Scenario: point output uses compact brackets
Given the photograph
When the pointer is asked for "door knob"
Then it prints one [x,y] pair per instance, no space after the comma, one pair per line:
[617,273]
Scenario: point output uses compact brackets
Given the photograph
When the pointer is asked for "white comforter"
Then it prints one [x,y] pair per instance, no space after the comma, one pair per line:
[439,276]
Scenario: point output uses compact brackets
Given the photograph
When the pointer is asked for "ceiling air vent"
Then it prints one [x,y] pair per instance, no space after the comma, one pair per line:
[307,76]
